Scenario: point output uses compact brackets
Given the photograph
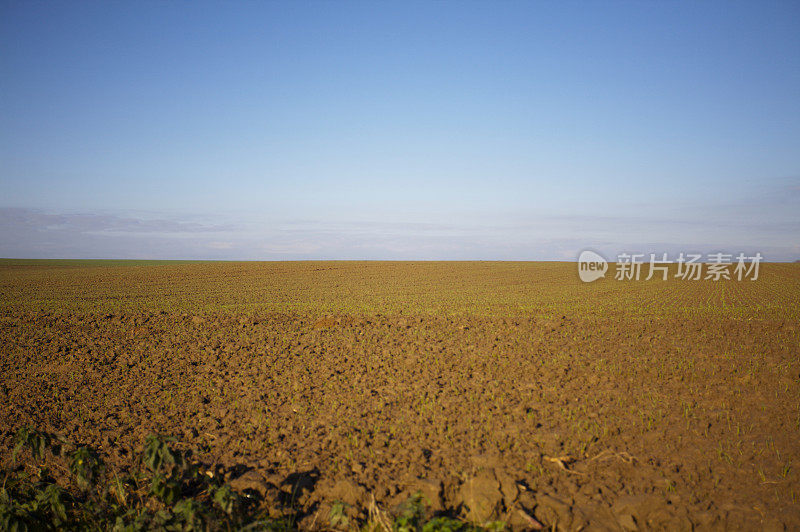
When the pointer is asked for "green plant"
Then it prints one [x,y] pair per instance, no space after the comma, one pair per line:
[167,492]
[35,441]
[338,516]
[86,465]
[176,495]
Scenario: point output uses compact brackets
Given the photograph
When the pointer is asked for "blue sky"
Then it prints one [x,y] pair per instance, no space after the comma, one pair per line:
[377,130]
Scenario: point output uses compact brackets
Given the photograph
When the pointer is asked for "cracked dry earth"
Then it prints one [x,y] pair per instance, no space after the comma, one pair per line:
[582,419]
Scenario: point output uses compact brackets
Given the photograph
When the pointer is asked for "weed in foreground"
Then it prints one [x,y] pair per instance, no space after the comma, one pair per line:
[164,491]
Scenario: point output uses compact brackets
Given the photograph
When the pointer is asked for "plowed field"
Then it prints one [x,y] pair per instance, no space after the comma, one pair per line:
[487,387]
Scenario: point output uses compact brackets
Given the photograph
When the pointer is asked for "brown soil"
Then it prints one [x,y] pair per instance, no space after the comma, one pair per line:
[621,420]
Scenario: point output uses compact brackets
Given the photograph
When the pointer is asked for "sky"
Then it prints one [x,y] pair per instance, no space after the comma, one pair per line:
[398,130]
